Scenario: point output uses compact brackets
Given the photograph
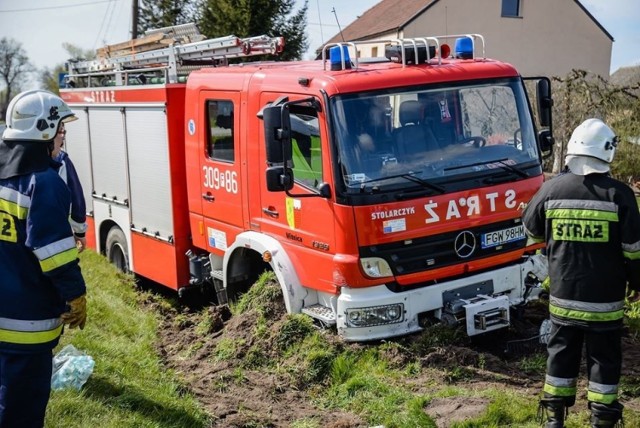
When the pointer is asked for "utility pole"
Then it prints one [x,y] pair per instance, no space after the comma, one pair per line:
[134,19]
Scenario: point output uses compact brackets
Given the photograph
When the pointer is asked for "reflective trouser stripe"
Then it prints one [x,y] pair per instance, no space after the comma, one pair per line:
[30,337]
[602,393]
[601,398]
[566,391]
[560,386]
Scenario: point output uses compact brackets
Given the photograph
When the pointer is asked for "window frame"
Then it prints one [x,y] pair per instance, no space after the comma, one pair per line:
[211,150]
[508,6]
[307,160]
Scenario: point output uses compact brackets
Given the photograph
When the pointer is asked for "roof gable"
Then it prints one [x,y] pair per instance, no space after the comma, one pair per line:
[584,9]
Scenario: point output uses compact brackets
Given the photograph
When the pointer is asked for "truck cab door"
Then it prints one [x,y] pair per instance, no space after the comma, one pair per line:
[221,191]
[302,220]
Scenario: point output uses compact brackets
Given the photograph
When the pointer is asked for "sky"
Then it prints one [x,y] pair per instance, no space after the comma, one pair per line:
[42,26]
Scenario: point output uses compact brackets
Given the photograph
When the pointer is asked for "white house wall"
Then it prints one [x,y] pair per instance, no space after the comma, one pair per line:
[550,38]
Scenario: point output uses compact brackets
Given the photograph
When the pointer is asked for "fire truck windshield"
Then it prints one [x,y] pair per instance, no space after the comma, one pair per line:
[436,135]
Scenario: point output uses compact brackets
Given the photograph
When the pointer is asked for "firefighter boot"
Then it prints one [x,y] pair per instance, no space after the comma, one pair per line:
[606,415]
[555,410]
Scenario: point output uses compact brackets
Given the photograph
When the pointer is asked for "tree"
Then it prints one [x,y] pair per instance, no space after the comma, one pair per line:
[245,18]
[581,95]
[14,70]
[164,13]
[49,76]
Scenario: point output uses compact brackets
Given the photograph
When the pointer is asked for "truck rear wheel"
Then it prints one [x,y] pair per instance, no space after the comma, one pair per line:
[117,250]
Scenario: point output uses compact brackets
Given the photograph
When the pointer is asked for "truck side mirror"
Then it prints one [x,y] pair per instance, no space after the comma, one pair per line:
[279,179]
[545,102]
[545,140]
[277,134]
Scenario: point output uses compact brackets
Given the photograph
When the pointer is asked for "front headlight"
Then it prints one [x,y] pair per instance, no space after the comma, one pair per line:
[375,315]
[375,267]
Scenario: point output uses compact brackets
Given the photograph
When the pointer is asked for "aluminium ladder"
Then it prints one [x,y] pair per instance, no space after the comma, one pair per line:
[171,60]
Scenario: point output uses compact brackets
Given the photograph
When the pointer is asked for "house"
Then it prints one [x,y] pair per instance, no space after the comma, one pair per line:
[627,76]
[539,37]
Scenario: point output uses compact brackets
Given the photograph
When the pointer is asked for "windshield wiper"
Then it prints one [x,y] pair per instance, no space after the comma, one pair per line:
[501,163]
[511,168]
[410,176]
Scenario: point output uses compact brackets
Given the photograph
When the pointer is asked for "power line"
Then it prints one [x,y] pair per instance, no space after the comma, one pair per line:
[102,25]
[55,7]
[321,24]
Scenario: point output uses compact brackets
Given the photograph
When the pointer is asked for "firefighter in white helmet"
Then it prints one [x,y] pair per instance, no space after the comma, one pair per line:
[591,225]
[42,287]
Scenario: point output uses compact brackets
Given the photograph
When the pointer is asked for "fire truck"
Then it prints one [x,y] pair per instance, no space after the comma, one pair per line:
[384,193]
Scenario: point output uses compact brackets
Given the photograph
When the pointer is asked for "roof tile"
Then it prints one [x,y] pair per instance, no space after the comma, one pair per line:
[388,15]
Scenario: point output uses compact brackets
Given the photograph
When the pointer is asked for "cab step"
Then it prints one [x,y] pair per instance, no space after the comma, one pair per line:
[323,313]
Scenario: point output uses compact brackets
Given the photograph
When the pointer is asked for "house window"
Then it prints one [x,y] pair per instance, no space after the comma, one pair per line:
[511,8]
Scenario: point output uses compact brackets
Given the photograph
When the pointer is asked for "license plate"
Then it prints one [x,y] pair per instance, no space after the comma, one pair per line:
[503,236]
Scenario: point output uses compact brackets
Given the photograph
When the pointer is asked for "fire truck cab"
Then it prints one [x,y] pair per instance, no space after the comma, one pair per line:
[382,193]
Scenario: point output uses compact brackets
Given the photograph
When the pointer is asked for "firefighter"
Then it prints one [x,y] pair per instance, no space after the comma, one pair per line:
[42,287]
[67,171]
[591,225]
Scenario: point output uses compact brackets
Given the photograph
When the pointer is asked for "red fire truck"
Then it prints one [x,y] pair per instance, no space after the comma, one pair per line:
[384,193]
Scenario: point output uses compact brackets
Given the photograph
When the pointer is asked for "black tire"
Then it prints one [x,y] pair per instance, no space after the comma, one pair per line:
[117,250]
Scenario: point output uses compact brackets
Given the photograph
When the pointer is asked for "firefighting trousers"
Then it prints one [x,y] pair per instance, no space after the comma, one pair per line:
[25,385]
[603,358]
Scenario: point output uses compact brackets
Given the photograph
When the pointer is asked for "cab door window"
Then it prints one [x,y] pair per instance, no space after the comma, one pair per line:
[220,130]
[306,146]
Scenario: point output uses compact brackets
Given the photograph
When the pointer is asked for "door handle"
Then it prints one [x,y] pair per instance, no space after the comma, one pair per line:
[271,212]
[208,197]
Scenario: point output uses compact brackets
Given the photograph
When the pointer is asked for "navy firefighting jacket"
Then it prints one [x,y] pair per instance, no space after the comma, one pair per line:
[591,225]
[39,270]
[78,216]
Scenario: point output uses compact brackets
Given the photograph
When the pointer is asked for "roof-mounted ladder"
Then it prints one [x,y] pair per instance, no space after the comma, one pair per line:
[173,60]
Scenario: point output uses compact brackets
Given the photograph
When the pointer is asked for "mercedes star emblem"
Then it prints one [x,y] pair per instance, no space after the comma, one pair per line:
[465,244]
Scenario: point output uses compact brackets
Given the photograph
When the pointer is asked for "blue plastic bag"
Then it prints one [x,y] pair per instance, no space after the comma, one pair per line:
[71,369]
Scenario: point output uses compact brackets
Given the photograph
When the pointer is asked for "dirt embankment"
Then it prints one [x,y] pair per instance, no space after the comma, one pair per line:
[212,351]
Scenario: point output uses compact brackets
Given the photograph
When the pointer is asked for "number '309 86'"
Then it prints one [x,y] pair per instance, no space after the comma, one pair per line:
[217,179]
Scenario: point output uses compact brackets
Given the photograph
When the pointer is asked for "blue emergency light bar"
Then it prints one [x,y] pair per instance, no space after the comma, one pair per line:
[464,48]
[337,59]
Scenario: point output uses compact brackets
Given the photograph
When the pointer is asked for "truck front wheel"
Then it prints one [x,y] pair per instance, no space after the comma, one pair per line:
[117,250]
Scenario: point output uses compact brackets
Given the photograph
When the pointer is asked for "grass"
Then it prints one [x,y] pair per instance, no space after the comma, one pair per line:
[129,387]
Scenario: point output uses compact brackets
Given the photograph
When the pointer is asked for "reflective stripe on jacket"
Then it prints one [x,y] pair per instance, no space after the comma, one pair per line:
[29,332]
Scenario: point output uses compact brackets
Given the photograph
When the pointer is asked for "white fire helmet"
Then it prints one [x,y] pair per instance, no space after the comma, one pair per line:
[35,116]
[591,148]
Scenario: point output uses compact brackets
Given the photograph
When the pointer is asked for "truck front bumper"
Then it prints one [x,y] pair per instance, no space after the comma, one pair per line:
[374,313]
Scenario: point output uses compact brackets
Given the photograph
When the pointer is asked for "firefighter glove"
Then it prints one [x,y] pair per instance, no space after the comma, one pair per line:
[77,314]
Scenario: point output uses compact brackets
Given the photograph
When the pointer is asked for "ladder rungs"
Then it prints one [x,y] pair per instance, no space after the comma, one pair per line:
[140,52]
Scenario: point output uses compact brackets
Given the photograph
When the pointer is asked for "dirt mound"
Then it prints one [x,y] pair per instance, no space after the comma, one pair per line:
[227,361]
[220,357]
